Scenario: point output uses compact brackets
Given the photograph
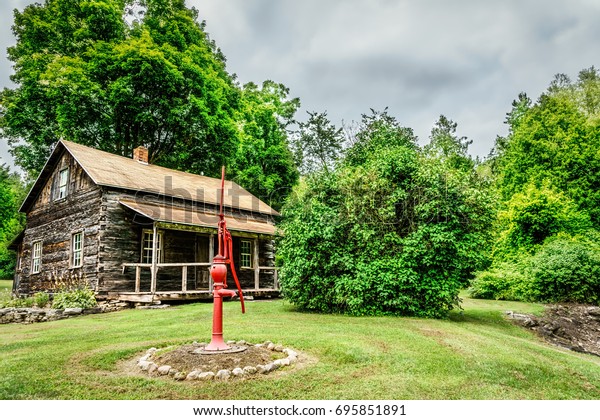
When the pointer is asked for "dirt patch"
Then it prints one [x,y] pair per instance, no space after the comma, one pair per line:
[571,326]
[184,359]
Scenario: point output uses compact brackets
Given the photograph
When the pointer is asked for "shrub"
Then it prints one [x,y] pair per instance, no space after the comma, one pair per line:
[506,282]
[565,269]
[394,232]
[78,298]
[41,299]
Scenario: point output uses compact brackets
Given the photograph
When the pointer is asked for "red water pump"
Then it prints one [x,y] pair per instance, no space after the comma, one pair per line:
[218,272]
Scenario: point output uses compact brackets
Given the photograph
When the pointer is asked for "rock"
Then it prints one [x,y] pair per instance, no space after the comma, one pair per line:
[230,342]
[223,374]
[278,362]
[173,372]
[179,376]
[152,367]
[241,343]
[278,348]
[270,367]
[145,357]
[261,369]
[259,345]
[95,310]
[290,352]
[593,311]
[249,370]
[73,311]
[151,350]
[292,359]
[285,362]
[202,344]
[164,370]
[144,365]
[270,346]
[192,376]
[237,372]
[206,376]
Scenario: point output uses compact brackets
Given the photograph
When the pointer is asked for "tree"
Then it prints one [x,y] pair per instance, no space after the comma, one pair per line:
[318,143]
[85,74]
[263,162]
[391,230]
[446,145]
[12,192]
[555,141]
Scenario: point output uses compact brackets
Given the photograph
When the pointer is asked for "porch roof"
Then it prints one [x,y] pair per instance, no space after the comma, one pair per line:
[193,217]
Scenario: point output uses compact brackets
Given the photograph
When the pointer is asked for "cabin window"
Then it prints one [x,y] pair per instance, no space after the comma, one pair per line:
[246,254]
[77,250]
[36,257]
[63,181]
[147,247]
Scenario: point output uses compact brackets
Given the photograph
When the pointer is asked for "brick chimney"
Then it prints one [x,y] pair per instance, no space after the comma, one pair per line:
[140,154]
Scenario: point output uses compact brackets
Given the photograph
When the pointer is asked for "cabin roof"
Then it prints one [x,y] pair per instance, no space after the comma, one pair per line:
[196,217]
[107,169]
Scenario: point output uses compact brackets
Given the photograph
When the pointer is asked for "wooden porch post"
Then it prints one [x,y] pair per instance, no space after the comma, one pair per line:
[211,255]
[154,258]
[184,271]
[256,267]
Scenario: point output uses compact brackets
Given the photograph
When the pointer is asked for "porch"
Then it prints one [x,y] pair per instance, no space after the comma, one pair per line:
[176,249]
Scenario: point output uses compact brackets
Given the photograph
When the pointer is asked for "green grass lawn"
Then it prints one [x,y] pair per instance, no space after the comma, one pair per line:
[474,355]
[5,289]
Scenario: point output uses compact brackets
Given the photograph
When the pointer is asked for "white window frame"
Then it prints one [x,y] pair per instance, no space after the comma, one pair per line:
[244,255]
[63,184]
[36,257]
[77,252]
[146,255]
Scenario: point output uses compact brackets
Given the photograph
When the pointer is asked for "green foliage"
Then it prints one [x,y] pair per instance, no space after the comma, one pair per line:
[11,222]
[263,162]
[390,231]
[41,299]
[76,298]
[566,269]
[318,143]
[535,215]
[555,141]
[505,282]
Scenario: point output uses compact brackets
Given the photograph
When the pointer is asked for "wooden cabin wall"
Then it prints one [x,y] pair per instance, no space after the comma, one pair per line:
[53,222]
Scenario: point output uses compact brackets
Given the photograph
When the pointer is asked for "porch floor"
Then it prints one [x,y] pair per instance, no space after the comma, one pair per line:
[191,295]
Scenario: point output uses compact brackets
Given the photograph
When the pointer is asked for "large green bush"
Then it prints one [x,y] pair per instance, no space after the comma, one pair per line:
[565,269]
[391,231]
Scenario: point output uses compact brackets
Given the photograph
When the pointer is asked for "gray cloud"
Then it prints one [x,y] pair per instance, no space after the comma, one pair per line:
[465,59]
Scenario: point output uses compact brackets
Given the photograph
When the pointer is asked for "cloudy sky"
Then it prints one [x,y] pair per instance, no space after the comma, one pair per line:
[466,59]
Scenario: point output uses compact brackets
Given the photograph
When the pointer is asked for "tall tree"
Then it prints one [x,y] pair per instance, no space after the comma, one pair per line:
[263,162]
[555,141]
[446,145]
[318,143]
[90,72]
[12,191]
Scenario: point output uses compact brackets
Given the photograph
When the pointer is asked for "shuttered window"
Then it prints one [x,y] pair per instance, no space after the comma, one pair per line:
[147,240]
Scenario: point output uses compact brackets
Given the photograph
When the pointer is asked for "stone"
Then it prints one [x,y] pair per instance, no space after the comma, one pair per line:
[241,343]
[144,365]
[145,357]
[270,367]
[152,350]
[238,372]
[223,374]
[290,352]
[278,348]
[164,370]
[270,346]
[152,367]
[73,311]
[292,359]
[173,372]
[285,362]
[192,376]
[249,370]
[259,345]
[230,342]
[261,369]
[179,376]
[206,376]
[278,362]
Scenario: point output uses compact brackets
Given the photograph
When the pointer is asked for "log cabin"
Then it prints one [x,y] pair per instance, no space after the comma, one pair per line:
[137,232]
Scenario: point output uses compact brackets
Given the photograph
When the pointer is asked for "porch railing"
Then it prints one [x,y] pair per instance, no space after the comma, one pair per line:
[184,274]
